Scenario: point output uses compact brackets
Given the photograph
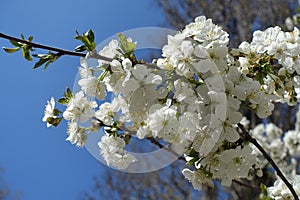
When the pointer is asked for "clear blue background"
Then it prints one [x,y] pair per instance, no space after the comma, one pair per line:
[37,161]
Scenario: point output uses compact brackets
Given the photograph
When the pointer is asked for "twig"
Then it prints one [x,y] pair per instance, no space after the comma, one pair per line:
[245,135]
[153,141]
[60,51]
[245,185]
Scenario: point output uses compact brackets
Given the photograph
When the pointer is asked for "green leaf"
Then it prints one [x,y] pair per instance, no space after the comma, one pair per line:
[22,36]
[90,35]
[30,38]
[264,189]
[62,101]
[47,64]
[102,76]
[88,41]
[40,63]
[56,112]
[192,161]
[11,50]
[46,59]
[69,93]
[126,46]
[54,121]
[15,43]
[26,54]
[80,48]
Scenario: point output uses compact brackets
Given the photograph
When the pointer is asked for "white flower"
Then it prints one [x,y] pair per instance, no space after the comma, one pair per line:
[264,108]
[110,51]
[205,32]
[88,85]
[230,132]
[85,71]
[245,47]
[234,163]
[143,131]
[77,134]
[281,192]
[92,87]
[164,124]
[49,111]
[289,23]
[105,114]
[244,62]
[182,91]
[291,140]
[262,40]
[198,178]
[79,108]
[112,150]
[126,63]
[189,126]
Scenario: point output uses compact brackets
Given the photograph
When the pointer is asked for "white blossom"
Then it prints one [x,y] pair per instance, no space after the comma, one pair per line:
[79,108]
[76,133]
[281,192]
[112,150]
[49,111]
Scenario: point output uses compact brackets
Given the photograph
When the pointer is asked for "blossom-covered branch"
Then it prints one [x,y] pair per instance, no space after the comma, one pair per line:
[191,98]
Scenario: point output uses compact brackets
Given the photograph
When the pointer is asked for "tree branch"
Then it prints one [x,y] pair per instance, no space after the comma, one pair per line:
[245,185]
[245,135]
[151,139]
[60,51]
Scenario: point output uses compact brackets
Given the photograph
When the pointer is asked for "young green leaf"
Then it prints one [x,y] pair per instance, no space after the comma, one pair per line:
[88,41]
[90,35]
[40,63]
[54,121]
[192,161]
[11,50]
[16,44]
[46,59]
[26,54]
[69,93]
[80,48]
[62,101]
[30,38]
[126,46]
[47,64]
[56,112]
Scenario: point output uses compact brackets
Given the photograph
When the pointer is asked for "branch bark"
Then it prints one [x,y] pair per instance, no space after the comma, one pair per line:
[58,50]
[245,135]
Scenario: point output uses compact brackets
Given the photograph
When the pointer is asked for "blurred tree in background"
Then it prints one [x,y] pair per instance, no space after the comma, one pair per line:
[164,184]
[238,17]
[4,191]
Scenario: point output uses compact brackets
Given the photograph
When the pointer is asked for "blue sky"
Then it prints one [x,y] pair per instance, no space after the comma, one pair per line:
[38,161]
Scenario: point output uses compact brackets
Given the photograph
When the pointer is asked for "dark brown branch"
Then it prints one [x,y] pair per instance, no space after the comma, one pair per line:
[245,185]
[153,141]
[245,135]
[60,51]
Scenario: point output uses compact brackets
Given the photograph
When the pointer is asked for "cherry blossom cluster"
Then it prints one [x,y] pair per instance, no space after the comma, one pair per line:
[191,98]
